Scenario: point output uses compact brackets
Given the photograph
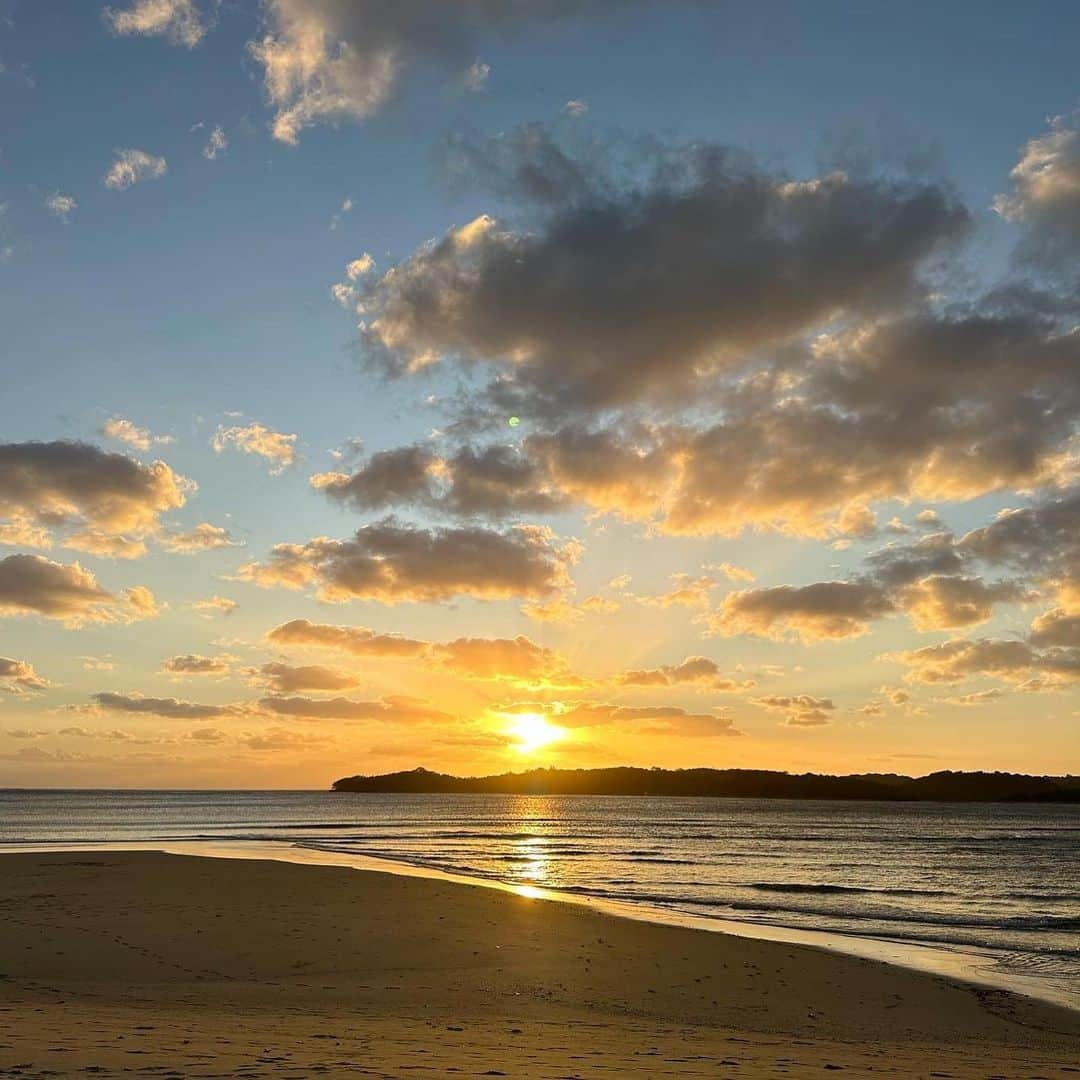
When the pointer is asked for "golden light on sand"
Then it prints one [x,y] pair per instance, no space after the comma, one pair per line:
[532,732]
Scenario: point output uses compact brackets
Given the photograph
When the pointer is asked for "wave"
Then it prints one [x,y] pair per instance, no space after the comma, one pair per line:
[800,887]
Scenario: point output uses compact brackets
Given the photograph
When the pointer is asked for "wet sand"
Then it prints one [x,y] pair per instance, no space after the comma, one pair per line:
[165,965]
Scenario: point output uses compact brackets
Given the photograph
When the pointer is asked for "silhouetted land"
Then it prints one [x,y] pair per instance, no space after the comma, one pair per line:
[730,783]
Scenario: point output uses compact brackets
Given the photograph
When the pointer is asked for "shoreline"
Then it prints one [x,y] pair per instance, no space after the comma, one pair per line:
[188,965]
[963,965]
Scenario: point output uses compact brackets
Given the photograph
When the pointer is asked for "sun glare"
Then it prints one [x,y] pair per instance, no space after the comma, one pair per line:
[532,732]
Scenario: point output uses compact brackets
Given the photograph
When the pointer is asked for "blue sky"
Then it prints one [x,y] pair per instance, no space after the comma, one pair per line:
[201,299]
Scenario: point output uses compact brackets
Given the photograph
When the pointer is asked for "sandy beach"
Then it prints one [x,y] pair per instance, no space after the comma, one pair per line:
[119,963]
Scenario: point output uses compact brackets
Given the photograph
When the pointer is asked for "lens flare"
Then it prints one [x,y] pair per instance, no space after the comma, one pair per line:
[532,732]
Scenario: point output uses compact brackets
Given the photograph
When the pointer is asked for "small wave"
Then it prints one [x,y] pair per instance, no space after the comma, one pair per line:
[801,887]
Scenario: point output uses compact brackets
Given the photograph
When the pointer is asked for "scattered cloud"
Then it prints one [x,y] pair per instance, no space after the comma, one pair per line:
[1046,196]
[281,678]
[343,59]
[178,21]
[827,609]
[391,710]
[394,563]
[18,676]
[112,501]
[216,144]
[697,671]
[193,664]
[204,537]
[277,448]
[800,710]
[126,432]
[133,166]
[477,75]
[165,708]
[215,605]
[355,640]
[31,584]
[61,206]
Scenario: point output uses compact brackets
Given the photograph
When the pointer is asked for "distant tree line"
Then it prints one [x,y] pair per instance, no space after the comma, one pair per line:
[730,784]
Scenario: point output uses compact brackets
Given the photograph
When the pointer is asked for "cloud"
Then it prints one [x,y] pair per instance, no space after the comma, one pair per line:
[193,664]
[518,661]
[126,432]
[645,719]
[277,448]
[1041,539]
[208,736]
[822,611]
[166,708]
[204,537]
[697,671]
[562,610]
[359,267]
[395,563]
[18,676]
[1056,629]
[279,738]
[928,579]
[30,584]
[61,206]
[343,59]
[948,603]
[1046,196]
[800,710]
[283,678]
[726,258]
[1016,662]
[576,107]
[216,144]
[179,21]
[215,605]
[495,481]
[686,591]
[355,640]
[976,698]
[393,710]
[476,77]
[918,406]
[132,166]
[113,500]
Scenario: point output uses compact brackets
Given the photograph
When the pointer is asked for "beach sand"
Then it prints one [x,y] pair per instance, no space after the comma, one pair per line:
[163,965]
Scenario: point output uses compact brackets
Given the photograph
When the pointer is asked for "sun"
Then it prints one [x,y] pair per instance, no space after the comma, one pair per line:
[532,732]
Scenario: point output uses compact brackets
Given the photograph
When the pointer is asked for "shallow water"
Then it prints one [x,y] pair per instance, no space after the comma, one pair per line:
[1002,880]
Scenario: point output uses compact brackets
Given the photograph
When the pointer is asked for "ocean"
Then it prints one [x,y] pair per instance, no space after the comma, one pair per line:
[998,884]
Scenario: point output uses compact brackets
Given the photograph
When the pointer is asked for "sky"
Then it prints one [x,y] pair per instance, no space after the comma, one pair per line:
[501,383]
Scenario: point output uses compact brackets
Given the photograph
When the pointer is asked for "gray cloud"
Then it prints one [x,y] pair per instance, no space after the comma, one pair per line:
[281,678]
[724,258]
[113,501]
[394,710]
[357,640]
[168,708]
[19,676]
[1046,198]
[697,671]
[193,664]
[826,609]
[31,584]
[331,60]
[800,710]
[395,563]
[180,21]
